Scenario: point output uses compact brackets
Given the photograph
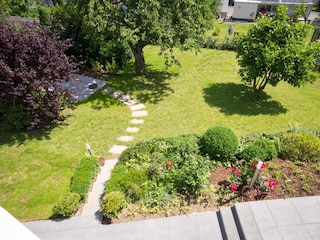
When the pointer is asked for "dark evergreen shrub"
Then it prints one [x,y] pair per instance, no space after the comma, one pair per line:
[220,143]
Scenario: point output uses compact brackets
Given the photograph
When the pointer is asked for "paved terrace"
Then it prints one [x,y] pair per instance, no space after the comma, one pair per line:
[292,218]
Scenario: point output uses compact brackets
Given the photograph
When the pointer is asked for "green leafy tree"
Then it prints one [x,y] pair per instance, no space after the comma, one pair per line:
[169,24]
[275,49]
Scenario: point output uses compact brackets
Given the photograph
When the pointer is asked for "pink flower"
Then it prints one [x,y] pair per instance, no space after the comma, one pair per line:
[272,184]
[233,187]
[238,172]
[233,168]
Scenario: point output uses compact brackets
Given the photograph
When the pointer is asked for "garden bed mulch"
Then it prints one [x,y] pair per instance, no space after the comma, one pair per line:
[293,180]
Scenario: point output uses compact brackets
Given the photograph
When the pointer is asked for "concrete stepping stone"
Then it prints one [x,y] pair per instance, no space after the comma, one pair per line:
[137,121]
[108,90]
[131,102]
[117,94]
[137,107]
[140,113]
[117,149]
[132,129]
[125,138]
[124,98]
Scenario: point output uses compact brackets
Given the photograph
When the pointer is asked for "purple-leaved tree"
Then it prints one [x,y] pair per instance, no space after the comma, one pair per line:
[32,66]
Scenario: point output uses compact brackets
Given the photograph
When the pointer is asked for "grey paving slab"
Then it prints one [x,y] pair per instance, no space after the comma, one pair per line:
[284,213]
[314,230]
[83,87]
[137,121]
[229,225]
[294,232]
[117,149]
[125,138]
[140,113]
[308,208]
[207,226]
[271,234]
[248,224]
[138,107]
[262,215]
[132,129]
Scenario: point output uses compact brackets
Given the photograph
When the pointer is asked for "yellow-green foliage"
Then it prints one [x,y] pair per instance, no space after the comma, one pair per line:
[112,203]
[301,147]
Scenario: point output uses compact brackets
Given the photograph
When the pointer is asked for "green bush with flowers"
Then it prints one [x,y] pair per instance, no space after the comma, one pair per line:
[242,173]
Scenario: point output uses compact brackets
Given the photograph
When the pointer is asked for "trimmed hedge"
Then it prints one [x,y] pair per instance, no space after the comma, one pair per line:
[67,205]
[84,173]
[219,143]
[112,204]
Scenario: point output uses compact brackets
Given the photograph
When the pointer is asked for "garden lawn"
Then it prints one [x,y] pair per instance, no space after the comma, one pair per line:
[36,167]
[207,91]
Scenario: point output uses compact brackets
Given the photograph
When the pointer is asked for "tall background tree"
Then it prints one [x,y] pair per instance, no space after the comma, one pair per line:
[32,66]
[276,49]
[139,23]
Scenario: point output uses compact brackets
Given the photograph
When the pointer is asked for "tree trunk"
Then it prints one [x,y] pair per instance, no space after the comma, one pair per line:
[137,50]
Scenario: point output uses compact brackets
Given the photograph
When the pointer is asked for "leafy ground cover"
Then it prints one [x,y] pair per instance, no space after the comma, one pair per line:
[294,179]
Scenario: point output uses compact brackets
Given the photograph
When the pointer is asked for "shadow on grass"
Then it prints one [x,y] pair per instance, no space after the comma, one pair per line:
[231,98]
[151,88]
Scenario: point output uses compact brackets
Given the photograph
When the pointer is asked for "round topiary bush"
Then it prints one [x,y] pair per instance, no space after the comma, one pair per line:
[67,205]
[112,204]
[262,148]
[220,143]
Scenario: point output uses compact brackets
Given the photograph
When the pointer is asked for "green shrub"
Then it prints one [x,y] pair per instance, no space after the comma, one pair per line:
[187,175]
[84,173]
[157,196]
[158,150]
[130,181]
[67,205]
[219,142]
[112,203]
[301,147]
[262,148]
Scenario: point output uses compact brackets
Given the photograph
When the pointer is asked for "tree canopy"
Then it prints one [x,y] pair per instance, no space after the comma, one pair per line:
[276,49]
[32,66]
[138,23]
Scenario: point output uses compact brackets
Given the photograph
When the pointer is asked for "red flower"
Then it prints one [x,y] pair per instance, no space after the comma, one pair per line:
[262,166]
[169,164]
[238,172]
[272,184]
[233,187]
[233,168]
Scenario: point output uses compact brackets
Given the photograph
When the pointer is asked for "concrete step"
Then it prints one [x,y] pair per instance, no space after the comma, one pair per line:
[247,224]
[229,227]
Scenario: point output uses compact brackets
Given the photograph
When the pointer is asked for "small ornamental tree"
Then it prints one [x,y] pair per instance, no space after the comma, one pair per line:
[32,66]
[275,49]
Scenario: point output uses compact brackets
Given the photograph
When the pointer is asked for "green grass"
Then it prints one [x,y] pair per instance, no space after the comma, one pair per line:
[36,167]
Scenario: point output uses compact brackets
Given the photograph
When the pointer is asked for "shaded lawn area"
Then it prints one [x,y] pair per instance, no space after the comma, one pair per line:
[206,91]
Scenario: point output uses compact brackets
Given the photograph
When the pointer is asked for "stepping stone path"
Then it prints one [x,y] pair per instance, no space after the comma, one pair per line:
[138,110]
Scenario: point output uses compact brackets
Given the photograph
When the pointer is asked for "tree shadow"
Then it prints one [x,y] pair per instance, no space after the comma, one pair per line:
[231,98]
[151,88]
